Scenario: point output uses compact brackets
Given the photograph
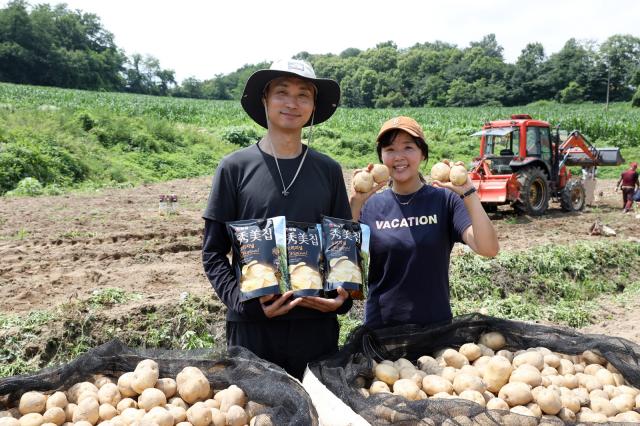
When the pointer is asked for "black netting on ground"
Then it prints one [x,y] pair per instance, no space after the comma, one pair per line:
[352,367]
[262,381]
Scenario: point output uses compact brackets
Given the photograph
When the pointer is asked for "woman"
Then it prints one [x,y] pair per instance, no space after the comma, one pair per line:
[413,229]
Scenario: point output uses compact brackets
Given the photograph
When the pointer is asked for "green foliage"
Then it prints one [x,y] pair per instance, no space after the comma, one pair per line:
[573,93]
[635,102]
[28,186]
[240,135]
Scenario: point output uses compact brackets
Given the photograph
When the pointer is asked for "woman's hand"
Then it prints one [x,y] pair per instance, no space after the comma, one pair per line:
[357,199]
[325,305]
[280,304]
[458,189]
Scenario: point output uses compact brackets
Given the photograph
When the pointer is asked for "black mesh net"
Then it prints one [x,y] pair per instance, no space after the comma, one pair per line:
[351,368]
[262,381]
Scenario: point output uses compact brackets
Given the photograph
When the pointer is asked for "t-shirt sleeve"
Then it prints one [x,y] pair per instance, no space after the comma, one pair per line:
[340,203]
[460,219]
[221,205]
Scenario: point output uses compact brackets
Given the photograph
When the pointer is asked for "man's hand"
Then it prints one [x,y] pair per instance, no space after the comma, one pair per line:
[276,305]
[324,305]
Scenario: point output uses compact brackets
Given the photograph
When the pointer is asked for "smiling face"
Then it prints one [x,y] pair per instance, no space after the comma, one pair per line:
[289,102]
[403,157]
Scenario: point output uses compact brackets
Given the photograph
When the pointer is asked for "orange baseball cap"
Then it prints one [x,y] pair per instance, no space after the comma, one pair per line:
[407,124]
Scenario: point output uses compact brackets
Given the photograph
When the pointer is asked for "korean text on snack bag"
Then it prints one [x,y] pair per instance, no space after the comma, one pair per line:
[304,254]
[346,253]
[259,256]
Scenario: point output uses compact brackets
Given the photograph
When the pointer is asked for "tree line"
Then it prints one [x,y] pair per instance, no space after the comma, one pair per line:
[55,46]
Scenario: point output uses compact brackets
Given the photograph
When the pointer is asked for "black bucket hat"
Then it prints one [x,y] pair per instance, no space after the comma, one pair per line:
[327,96]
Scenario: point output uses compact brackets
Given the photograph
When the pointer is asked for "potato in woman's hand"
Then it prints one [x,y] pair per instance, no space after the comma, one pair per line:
[380,173]
[440,171]
[363,181]
[458,174]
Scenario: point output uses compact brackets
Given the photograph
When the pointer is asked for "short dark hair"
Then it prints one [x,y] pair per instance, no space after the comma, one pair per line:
[387,139]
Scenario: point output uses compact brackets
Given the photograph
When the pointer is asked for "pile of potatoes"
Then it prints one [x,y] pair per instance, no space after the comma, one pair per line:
[139,398]
[535,382]
[364,180]
[443,171]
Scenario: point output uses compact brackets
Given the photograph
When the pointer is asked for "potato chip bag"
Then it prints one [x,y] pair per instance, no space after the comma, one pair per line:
[346,255]
[259,256]
[304,254]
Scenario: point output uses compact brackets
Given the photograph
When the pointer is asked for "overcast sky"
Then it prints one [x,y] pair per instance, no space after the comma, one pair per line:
[205,38]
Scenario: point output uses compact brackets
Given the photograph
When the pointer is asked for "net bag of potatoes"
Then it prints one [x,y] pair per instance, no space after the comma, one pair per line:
[257,392]
[466,373]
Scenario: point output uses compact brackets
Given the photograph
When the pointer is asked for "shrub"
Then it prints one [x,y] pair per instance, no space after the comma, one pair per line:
[28,186]
[240,135]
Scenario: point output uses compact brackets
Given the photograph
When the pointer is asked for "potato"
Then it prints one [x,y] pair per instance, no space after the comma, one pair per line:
[592,369]
[363,181]
[522,410]
[458,175]
[56,415]
[380,173]
[471,351]
[493,340]
[552,360]
[623,402]
[406,388]
[486,351]
[497,372]
[497,404]
[109,394]
[454,358]
[124,385]
[199,414]
[582,395]
[145,375]
[527,374]
[506,354]
[567,415]
[192,385]
[449,373]
[218,418]
[176,400]
[429,365]
[440,172]
[593,357]
[159,416]
[413,374]
[549,401]
[570,401]
[31,419]
[516,393]
[379,387]
[87,410]
[473,395]
[179,414]
[68,411]
[57,399]
[9,421]
[464,381]
[387,373]
[253,408]
[433,384]
[401,363]
[151,397]
[566,367]
[76,392]
[126,403]
[628,416]
[592,383]
[532,358]
[535,409]
[107,411]
[232,395]
[590,417]
[236,416]
[32,402]
[617,377]
[261,420]
[603,406]
[599,393]
[131,415]
[605,377]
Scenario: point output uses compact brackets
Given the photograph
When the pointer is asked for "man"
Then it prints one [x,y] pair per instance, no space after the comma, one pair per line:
[628,182]
[278,176]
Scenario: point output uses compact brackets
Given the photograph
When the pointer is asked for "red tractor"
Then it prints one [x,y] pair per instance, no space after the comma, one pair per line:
[524,164]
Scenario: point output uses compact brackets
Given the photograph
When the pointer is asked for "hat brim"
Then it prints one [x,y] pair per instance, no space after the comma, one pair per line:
[405,129]
[327,98]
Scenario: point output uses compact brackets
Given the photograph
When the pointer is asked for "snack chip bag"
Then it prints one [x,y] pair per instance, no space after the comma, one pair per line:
[304,254]
[259,256]
[346,254]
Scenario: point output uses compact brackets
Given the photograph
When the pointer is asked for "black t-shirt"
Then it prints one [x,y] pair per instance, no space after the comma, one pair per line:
[410,248]
[247,185]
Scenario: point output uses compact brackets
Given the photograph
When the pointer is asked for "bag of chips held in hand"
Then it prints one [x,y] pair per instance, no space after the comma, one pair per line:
[259,256]
[346,255]
[304,254]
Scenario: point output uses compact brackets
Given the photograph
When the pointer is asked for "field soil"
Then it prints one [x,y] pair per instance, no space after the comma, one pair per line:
[57,249]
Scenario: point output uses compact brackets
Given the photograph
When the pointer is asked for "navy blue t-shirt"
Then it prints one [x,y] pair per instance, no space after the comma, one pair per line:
[410,250]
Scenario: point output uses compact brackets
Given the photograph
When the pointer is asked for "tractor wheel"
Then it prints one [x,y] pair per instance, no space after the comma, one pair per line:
[572,198]
[534,192]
